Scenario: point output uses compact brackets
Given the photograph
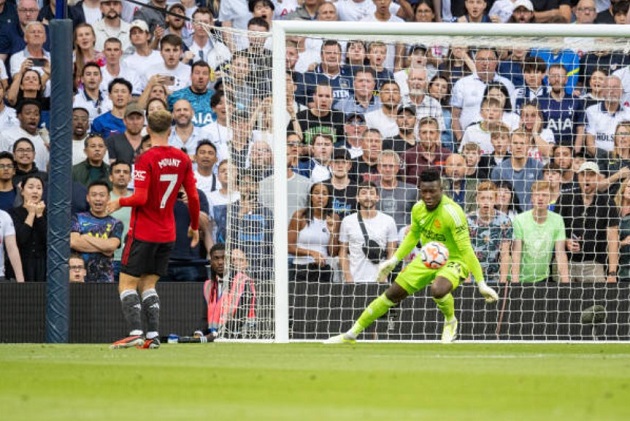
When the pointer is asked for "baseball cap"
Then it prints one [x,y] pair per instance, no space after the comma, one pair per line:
[139,23]
[417,47]
[133,108]
[177,6]
[341,154]
[81,108]
[589,166]
[355,116]
[403,108]
[527,4]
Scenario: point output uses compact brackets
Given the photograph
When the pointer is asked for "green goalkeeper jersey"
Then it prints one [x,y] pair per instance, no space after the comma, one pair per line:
[447,224]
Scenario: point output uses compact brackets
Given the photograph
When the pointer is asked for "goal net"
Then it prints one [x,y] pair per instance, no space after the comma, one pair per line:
[529,126]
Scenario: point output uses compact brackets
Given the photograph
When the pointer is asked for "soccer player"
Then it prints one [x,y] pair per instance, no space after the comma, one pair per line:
[158,174]
[435,218]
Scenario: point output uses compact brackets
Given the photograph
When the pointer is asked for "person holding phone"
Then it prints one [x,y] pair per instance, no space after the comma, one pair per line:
[171,72]
[33,56]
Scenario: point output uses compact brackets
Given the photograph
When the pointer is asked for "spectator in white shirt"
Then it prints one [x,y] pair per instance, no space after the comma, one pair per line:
[111,25]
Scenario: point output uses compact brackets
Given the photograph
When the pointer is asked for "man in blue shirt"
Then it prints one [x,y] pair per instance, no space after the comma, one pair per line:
[563,113]
[197,94]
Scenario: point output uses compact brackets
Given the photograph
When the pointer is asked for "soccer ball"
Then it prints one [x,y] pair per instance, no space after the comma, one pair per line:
[434,255]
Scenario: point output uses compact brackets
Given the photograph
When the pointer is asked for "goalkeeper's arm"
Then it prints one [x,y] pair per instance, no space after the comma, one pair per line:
[462,238]
[408,243]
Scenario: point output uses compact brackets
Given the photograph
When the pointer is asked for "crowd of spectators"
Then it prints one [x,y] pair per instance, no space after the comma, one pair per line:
[363,120]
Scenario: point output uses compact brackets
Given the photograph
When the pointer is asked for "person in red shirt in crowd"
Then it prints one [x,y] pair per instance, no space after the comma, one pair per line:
[158,174]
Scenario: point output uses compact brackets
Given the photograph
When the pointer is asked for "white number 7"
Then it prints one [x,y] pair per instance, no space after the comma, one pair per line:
[172,180]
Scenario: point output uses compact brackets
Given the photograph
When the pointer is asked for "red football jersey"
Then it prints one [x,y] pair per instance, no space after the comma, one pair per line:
[161,171]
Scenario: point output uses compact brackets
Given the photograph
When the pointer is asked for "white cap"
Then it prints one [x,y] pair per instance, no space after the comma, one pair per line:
[139,23]
[527,4]
[589,166]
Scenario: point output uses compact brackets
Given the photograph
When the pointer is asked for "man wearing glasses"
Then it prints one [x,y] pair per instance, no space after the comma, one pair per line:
[8,191]
[12,34]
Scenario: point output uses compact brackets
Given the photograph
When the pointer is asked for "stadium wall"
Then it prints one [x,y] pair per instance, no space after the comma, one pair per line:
[541,312]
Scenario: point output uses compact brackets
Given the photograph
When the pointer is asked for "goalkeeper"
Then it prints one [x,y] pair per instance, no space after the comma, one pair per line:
[435,218]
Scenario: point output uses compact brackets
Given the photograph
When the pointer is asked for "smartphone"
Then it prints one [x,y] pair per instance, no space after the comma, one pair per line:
[38,62]
[170,80]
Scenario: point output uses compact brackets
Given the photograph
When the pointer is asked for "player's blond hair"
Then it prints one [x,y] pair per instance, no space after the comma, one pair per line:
[160,121]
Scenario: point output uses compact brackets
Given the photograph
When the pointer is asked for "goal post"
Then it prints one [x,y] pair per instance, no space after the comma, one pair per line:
[312,311]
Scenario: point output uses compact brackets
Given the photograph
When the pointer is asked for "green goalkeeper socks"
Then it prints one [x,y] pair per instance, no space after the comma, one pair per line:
[446,305]
[376,309]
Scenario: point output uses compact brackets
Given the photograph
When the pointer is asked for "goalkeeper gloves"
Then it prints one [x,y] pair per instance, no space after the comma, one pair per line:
[488,293]
[385,268]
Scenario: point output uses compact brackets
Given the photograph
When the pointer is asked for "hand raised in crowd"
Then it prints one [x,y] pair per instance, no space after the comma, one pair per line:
[40,208]
[188,57]
[31,207]
[158,33]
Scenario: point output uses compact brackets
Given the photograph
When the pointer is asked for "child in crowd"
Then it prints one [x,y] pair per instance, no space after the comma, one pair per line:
[472,155]
[534,71]
[76,267]
[479,133]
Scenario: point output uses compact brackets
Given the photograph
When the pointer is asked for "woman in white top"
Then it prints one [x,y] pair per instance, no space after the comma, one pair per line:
[313,237]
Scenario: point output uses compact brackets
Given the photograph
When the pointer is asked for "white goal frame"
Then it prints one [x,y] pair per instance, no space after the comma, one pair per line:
[282,29]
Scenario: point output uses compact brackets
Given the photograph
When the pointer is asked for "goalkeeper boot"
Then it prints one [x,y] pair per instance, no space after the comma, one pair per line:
[128,342]
[449,332]
[153,343]
[340,339]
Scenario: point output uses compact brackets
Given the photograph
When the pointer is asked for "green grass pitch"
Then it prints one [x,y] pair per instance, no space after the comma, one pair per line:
[303,382]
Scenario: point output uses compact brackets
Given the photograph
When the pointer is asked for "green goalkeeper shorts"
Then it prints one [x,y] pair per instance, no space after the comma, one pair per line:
[416,275]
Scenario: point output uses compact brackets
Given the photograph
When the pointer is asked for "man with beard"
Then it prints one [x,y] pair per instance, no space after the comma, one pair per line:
[197,94]
[564,114]
[384,119]
[184,135]
[591,221]
[111,25]
[425,104]
[380,228]
[28,113]
[406,137]
[80,126]
[112,121]
[176,25]
[126,146]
